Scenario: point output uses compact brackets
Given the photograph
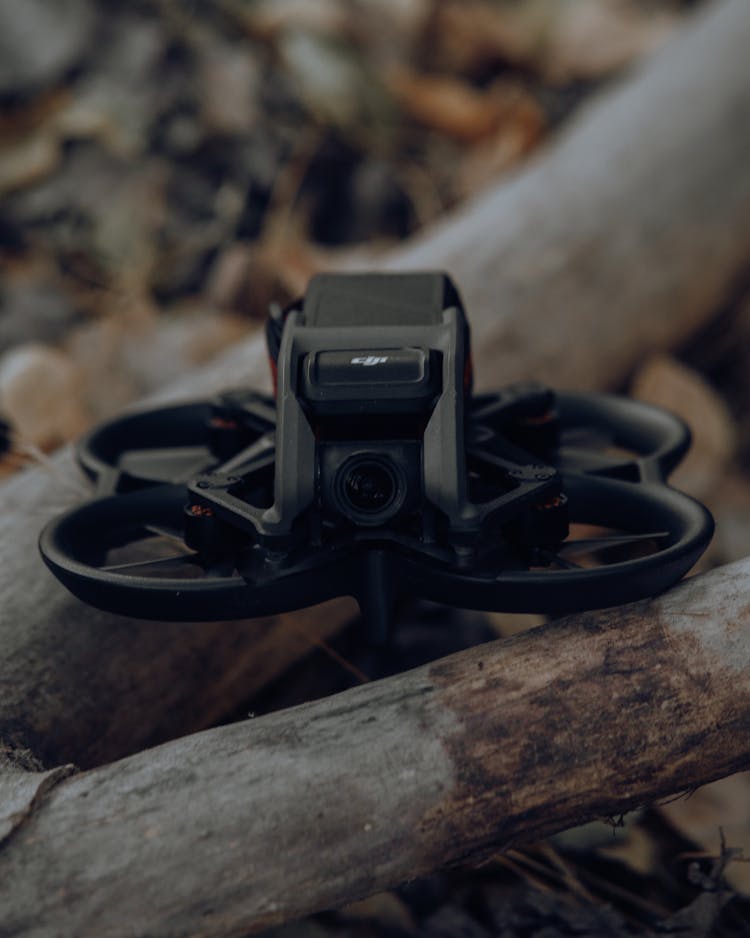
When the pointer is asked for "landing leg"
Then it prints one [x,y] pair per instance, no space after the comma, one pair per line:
[377,596]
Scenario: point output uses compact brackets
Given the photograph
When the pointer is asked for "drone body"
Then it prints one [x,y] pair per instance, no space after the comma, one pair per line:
[376,473]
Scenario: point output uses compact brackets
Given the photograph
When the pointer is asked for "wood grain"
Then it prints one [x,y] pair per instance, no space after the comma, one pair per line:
[235,829]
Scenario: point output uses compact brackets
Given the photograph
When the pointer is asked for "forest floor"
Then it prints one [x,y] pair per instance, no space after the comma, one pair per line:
[168,169]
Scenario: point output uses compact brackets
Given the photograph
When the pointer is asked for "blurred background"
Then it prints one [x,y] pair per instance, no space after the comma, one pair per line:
[168,169]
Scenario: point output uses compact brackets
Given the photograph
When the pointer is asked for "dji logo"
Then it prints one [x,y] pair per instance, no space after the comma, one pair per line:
[369,360]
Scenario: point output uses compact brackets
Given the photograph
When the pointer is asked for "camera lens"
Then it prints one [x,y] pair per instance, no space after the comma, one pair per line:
[369,490]
[369,487]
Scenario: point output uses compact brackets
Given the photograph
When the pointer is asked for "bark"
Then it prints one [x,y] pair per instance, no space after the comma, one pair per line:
[242,827]
[622,238]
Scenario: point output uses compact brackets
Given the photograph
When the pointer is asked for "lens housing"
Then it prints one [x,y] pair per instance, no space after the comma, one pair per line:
[369,488]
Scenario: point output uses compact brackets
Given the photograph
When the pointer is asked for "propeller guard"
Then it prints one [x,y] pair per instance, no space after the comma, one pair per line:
[376,473]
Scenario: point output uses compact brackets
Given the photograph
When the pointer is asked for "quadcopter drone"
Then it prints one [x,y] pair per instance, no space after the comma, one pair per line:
[375,472]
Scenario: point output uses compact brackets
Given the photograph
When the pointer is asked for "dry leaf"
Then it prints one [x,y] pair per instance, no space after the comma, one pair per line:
[454,107]
[229,83]
[520,130]
[336,83]
[41,391]
[720,806]
[508,624]
[469,35]
[120,359]
[384,909]
[26,161]
[562,40]
[269,18]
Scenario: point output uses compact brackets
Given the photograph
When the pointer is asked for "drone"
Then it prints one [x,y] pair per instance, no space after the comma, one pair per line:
[374,471]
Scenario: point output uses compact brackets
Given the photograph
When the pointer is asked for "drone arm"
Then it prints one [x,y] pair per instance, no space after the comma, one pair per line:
[315,806]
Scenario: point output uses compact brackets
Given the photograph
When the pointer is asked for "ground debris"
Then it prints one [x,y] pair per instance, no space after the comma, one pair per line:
[169,171]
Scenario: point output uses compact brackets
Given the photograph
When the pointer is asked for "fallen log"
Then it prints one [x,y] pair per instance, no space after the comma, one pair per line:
[625,236]
[238,828]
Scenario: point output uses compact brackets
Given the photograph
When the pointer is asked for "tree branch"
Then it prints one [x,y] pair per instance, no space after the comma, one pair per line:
[623,237]
[238,828]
